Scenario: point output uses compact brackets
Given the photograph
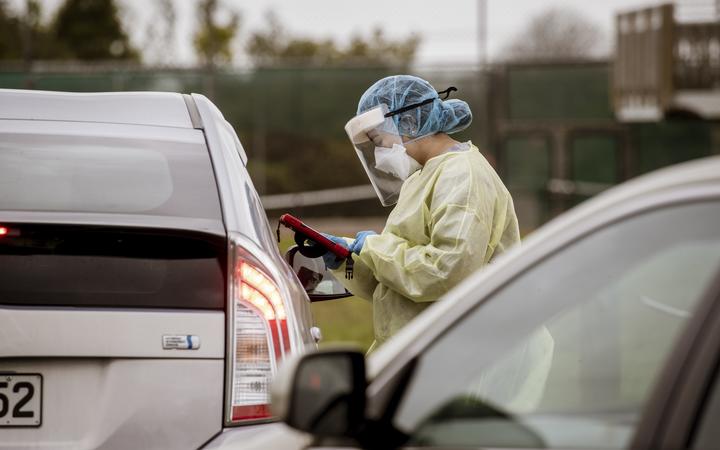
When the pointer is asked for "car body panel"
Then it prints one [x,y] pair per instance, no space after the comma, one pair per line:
[139,108]
[247,226]
[107,333]
[245,216]
[110,407]
[109,363]
[275,435]
[208,226]
[111,130]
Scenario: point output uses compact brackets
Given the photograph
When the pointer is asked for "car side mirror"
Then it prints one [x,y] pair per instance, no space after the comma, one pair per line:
[319,283]
[322,393]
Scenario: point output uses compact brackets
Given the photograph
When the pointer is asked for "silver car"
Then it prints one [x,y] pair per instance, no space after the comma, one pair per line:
[601,331]
[143,300]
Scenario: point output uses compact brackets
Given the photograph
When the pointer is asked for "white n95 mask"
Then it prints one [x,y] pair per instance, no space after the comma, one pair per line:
[395,161]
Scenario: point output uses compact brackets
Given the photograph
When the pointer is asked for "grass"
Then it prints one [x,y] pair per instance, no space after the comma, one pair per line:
[347,320]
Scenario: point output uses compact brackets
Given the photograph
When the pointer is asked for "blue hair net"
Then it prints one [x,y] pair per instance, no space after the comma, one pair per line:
[397,91]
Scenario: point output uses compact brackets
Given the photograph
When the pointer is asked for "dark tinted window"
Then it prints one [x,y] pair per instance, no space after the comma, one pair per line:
[79,265]
[106,175]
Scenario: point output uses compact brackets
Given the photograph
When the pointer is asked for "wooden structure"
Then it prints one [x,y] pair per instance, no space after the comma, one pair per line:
[664,68]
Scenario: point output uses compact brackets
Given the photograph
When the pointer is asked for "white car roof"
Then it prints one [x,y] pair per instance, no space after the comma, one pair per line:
[133,108]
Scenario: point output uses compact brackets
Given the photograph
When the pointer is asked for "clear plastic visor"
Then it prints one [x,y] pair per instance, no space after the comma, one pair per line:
[367,131]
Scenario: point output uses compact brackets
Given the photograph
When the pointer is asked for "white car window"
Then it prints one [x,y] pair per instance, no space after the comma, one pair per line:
[96,174]
[567,353]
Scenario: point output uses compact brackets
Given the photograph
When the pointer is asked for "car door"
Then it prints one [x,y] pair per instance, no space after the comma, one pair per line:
[684,410]
[112,287]
[704,432]
[566,355]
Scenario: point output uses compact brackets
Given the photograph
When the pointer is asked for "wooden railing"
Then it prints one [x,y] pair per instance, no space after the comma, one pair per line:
[642,75]
[696,56]
[656,57]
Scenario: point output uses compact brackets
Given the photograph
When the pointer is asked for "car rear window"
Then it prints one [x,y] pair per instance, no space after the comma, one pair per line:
[106,175]
[111,266]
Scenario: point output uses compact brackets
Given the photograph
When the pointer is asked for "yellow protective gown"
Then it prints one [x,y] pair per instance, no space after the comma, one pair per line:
[452,217]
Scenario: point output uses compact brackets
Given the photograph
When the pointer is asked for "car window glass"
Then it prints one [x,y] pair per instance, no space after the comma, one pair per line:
[708,432]
[567,353]
[94,174]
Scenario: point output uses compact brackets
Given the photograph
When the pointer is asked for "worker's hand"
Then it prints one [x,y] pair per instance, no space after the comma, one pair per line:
[357,246]
[331,260]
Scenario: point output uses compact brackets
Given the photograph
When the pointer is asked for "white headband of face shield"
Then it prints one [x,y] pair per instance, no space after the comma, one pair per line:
[357,128]
[391,160]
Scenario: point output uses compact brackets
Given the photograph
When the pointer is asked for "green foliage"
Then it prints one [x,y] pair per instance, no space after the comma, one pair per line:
[91,30]
[274,46]
[213,40]
[379,50]
[160,33]
[81,29]
[10,30]
[296,162]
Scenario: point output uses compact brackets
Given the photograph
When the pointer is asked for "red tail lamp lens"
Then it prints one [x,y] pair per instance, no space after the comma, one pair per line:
[261,340]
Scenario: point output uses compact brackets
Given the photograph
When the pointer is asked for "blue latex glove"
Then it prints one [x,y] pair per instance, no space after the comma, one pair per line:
[357,246]
[332,262]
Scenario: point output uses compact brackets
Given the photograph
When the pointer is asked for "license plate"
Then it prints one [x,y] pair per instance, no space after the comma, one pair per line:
[20,400]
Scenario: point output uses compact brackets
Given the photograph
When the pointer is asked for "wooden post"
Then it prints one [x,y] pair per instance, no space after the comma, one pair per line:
[643,70]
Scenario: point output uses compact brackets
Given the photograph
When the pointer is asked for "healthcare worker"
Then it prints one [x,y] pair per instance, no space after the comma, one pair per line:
[453,215]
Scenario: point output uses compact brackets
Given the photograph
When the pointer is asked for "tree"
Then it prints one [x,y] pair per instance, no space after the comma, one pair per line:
[555,34]
[24,37]
[160,33]
[273,46]
[92,30]
[213,40]
[10,32]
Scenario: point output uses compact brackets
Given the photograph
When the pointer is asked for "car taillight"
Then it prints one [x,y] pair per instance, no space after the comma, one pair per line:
[260,339]
[6,231]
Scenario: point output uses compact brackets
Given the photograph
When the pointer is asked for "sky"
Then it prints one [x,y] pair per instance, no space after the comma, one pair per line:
[448,29]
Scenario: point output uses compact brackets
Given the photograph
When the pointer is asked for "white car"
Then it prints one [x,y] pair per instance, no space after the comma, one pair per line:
[143,300]
[601,331]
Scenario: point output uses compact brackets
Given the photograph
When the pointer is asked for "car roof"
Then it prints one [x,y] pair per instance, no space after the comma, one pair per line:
[163,109]
[433,321]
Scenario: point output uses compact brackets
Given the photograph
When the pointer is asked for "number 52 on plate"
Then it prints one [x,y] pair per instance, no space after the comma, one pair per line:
[20,400]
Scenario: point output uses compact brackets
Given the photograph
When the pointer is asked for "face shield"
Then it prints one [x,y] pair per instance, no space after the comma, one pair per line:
[378,144]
